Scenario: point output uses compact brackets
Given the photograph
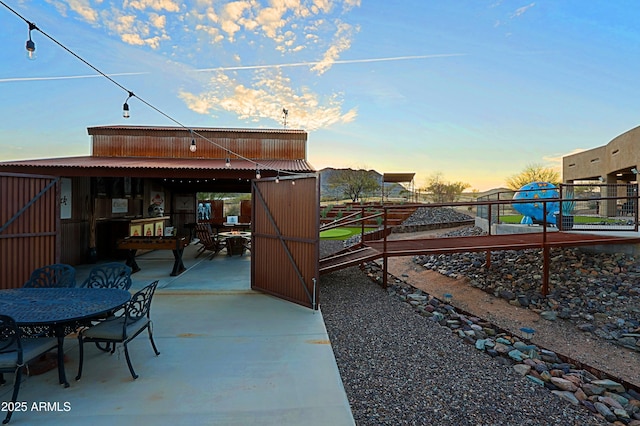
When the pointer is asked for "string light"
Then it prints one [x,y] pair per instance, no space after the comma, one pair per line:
[258,176]
[125,107]
[31,46]
[193,146]
[278,177]
[227,162]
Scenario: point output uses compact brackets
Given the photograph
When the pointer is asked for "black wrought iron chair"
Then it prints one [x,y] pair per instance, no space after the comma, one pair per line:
[16,353]
[109,275]
[124,328]
[56,275]
[208,240]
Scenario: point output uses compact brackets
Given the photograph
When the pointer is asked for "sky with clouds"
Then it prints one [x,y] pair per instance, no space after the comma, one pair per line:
[472,90]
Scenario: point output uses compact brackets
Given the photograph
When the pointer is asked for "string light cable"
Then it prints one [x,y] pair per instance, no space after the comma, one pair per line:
[130,94]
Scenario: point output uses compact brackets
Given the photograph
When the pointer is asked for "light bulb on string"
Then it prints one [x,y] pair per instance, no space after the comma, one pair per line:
[193,146]
[31,46]
[227,163]
[125,107]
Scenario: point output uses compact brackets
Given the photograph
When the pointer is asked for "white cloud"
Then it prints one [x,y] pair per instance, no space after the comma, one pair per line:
[84,9]
[321,6]
[214,33]
[265,99]
[135,32]
[522,10]
[232,15]
[168,5]
[312,32]
[350,4]
[158,21]
[343,37]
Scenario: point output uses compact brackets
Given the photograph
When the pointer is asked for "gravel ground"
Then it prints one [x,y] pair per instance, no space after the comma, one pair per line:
[401,368]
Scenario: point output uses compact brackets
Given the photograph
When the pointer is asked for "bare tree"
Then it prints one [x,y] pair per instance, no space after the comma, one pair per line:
[442,191]
[533,173]
[353,183]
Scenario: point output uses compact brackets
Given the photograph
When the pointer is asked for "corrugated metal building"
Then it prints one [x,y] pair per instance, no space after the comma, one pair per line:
[57,210]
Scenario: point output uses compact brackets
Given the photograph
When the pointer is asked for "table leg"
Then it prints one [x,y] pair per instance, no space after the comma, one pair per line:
[178,265]
[62,377]
[131,261]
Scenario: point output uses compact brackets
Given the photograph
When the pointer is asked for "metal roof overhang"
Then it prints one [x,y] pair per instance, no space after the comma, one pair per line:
[198,174]
[398,177]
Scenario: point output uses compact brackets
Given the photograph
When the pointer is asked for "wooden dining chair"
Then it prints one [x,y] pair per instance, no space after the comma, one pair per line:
[16,353]
[208,240]
[123,328]
[56,275]
[109,275]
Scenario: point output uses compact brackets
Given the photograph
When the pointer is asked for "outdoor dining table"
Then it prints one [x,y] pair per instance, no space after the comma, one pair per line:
[58,308]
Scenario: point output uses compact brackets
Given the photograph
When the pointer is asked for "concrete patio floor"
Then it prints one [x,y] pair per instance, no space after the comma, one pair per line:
[229,356]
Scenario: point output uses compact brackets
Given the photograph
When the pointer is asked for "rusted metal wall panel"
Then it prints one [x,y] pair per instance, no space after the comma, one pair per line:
[163,143]
[245,211]
[29,236]
[285,239]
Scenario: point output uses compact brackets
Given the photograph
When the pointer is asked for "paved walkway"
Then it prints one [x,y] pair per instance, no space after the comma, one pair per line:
[229,356]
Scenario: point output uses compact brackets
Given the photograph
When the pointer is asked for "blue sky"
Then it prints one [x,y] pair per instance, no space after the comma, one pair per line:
[472,90]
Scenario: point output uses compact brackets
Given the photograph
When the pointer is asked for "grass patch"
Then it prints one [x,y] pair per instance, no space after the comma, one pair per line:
[342,233]
[516,218]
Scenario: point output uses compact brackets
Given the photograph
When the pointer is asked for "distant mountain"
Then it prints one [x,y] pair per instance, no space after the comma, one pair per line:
[326,193]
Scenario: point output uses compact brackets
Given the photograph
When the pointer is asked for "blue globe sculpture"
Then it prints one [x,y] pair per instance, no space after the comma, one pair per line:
[534,212]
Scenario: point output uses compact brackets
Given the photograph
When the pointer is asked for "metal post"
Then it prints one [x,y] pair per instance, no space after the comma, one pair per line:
[489,220]
[362,229]
[545,252]
[544,223]
[635,207]
[545,270]
[313,302]
[384,251]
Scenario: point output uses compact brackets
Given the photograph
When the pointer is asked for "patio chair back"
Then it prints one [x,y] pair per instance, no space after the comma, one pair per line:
[56,275]
[122,329]
[109,275]
[16,352]
[208,240]
[139,306]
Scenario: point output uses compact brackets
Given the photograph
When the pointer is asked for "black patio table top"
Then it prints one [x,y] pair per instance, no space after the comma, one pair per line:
[59,307]
[51,306]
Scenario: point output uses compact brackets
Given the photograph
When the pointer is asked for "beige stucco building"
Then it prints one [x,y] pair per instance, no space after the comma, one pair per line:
[615,162]
[615,166]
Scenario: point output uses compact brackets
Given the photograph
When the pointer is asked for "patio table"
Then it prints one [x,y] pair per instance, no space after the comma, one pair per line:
[239,237]
[58,308]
